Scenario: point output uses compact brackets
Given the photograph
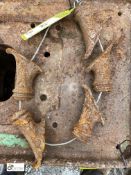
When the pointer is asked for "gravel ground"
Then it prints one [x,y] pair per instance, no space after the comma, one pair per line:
[47,170]
[74,171]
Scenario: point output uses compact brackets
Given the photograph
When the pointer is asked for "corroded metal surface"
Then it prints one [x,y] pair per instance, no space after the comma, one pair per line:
[26,71]
[89,117]
[102,70]
[33,132]
[30,10]
[64,71]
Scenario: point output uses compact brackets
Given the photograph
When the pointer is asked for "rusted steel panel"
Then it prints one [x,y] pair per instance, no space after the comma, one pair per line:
[32,10]
[64,71]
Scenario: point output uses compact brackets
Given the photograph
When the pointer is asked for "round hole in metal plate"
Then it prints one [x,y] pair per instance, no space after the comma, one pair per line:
[54,124]
[43,97]
[119,13]
[58,27]
[32,25]
[46,54]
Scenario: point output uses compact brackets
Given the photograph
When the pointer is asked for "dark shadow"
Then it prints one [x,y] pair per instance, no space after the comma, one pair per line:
[7,73]
[91,172]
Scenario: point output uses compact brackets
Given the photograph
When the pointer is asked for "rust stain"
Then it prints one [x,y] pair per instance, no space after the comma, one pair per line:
[89,117]
[102,69]
[33,132]
[26,71]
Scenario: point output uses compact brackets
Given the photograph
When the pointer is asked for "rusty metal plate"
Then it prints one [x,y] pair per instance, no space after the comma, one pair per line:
[30,10]
[64,72]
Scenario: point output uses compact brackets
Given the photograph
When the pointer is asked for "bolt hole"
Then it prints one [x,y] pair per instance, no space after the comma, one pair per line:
[43,97]
[46,54]
[32,25]
[119,13]
[118,146]
[55,125]
[58,27]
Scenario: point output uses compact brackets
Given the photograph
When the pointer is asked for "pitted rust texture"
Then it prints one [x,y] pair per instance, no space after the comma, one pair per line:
[30,10]
[89,117]
[90,29]
[26,71]
[33,132]
[102,69]
[65,100]
[11,32]
[92,20]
